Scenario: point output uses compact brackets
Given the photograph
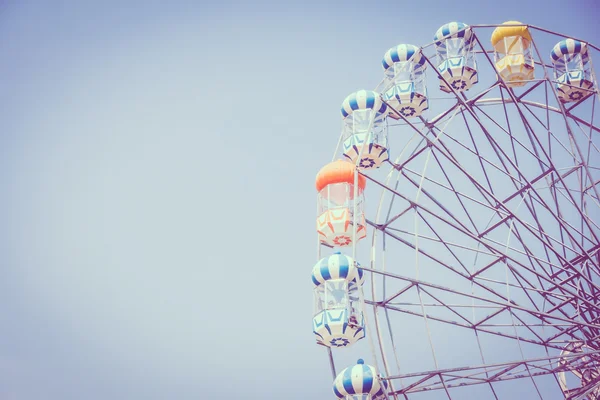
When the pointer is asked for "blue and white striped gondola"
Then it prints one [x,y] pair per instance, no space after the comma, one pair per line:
[363,114]
[338,320]
[405,90]
[454,44]
[572,70]
[359,382]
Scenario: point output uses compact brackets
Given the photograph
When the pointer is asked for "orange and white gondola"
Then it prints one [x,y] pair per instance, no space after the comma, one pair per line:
[335,221]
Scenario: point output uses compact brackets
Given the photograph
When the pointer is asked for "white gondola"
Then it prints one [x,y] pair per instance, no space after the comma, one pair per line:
[360,382]
[456,64]
[364,130]
[404,83]
[338,319]
[572,70]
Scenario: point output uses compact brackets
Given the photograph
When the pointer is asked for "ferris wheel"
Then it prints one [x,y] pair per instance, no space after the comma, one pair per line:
[459,222]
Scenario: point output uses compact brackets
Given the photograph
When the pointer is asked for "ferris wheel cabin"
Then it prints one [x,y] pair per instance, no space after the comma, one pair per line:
[335,187]
[404,83]
[512,53]
[456,66]
[359,382]
[572,70]
[364,133]
[338,319]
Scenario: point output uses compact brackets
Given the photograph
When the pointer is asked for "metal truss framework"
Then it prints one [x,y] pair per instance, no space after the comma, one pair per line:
[464,376]
[499,193]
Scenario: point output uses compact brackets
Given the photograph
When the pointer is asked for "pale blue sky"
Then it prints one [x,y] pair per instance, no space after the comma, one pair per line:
[157,165]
